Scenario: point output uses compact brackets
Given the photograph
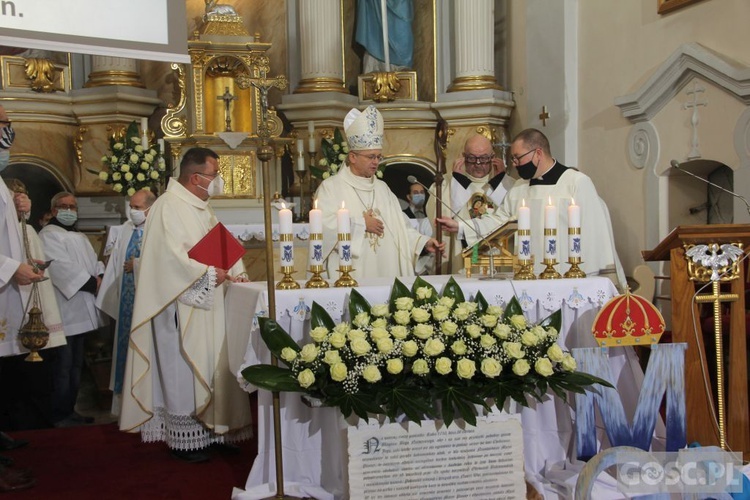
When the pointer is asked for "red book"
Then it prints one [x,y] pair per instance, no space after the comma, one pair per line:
[219,248]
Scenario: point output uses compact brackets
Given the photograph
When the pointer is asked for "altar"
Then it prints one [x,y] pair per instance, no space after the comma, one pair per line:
[314,439]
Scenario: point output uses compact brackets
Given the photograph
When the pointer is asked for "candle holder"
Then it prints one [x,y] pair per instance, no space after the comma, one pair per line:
[550,247]
[574,271]
[287,282]
[302,213]
[550,273]
[346,280]
[574,246]
[525,271]
[317,281]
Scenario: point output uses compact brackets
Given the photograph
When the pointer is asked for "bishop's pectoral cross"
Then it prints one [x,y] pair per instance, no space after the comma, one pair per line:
[227,97]
[263,85]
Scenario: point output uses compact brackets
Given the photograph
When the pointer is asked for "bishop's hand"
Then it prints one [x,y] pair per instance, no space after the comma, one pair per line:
[459,165]
[373,224]
[447,224]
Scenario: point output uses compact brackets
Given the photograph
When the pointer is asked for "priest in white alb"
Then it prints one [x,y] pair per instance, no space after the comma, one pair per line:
[544,179]
[383,242]
[178,387]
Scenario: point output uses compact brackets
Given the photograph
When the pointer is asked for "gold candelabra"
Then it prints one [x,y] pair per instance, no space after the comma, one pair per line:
[550,273]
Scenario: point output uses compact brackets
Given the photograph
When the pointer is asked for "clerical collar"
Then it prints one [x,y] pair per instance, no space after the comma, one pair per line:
[54,222]
[465,180]
[551,177]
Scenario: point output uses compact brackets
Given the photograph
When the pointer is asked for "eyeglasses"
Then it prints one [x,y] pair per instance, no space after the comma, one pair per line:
[372,157]
[64,206]
[5,122]
[517,159]
[202,174]
[478,160]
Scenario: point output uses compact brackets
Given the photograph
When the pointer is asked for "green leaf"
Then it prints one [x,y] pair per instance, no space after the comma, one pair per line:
[320,317]
[357,304]
[513,308]
[317,171]
[272,378]
[397,291]
[275,337]
[482,303]
[360,404]
[554,320]
[460,398]
[452,290]
[337,137]
[414,402]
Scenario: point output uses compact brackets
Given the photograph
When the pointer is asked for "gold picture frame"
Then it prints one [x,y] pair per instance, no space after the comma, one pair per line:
[664,6]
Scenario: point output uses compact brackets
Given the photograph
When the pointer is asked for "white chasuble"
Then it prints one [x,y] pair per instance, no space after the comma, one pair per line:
[208,401]
[390,255]
[12,297]
[597,242]
[108,298]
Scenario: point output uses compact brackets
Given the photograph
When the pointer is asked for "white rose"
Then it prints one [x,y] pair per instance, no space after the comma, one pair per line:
[319,333]
[116,176]
[440,312]
[420,367]
[433,347]
[145,166]
[342,157]
[402,317]
[131,191]
[371,373]
[125,168]
[474,330]
[420,315]
[128,176]
[104,175]
[449,328]
[117,187]
[342,328]
[399,332]
[337,340]
[331,358]
[569,363]
[154,175]
[446,301]
[379,174]
[461,312]
[309,352]
[326,175]
[529,338]
[409,348]
[552,333]
[361,320]
[521,367]
[422,331]
[495,311]
[555,353]
[339,372]
[336,147]
[360,347]
[140,177]
[487,341]
[385,345]
[394,366]
[323,162]
[118,146]
[502,331]
[356,334]
[513,349]
[518,321]
[379,310]
[379,323]
[543,367]
[134,158]
[288,354]
[306,378]
[489,320]
[465,368]
[424,292]
[404,303]
[379,333]
[491,368]
[443,366]
[458,347]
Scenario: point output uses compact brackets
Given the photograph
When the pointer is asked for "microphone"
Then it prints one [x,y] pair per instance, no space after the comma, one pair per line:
[676,164]
[413,180]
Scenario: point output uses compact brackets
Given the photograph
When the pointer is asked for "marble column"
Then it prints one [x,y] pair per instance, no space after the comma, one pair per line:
[474,45]
[321,47]
[107,70]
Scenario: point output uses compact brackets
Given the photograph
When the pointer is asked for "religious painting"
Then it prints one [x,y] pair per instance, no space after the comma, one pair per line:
[664,6]
[479,204]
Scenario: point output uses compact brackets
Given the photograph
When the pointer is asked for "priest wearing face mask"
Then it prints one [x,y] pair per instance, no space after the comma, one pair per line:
[76,274]
[543,178]
[383,242]
[178,387]
[117,292]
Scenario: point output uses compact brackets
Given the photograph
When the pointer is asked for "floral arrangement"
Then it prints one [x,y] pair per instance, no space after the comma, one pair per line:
[131,167]
[334,153]
[419,350]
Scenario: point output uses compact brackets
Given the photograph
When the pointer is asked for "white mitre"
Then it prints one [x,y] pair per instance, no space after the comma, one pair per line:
[364,129]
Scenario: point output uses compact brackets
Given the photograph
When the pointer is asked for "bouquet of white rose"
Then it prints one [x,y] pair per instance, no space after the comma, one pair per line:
[334,153]
[419,349]
[131,167]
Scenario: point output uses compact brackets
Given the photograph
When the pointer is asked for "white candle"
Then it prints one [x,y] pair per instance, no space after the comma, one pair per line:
[316,219]
[144,141]
[161,145]
[550,222]
[311,135]
[574,222]
[278,175]
[574,214]
[384,19]
[300,155]
[316,235]
[144,129]
[144,125]
[286,243]
[524,216]
[343,220]
[550,215]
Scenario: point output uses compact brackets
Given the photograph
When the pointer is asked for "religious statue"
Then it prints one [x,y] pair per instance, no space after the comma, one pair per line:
[220,9]
[227,97]
[370,34]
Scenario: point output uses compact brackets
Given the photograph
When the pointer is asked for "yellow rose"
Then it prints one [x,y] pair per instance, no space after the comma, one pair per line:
[379,310]
[410,348]
[404,303]
[521,367]
[116,176]
[125,168]
[513,349]
[423,331]
[555,353]
[529,338]
[487,341]
[394,366]
[539,332]
[569,363]
[136,140]
[465,368]
[138,149]
[518,321]
[309,353]
[331,358]
[360,347]
[361,320]
[458,347]
[402,317]
[424,292]
[385,345]
[131,191]
[489,320]
[117,146]
[443,366]
[379,323]
[337,340]
[326,175]
[449,328]
[356,334]
[420,367]
[446,301]
[440,312]
[134,158]
[342,328]
[306,378]
[319,333]
[420,315]
[140,177]
[104,175]
[379,333]
[371,373]
[543,367]
[339,372]
[288,354]
[491,368]
[154,175]
[552,333]
[323,162]
[495,311]
[144,165]
[128,176]
[473,330]
[461,312]
[502,331]
[399,332]
[117,187]
[433,347]
[472,306]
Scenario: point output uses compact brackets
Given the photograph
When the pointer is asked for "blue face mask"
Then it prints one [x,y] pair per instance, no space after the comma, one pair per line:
[417,199]
[67,217]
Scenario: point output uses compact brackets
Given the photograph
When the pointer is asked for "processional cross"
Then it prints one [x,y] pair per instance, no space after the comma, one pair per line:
[263,85]
[227,97]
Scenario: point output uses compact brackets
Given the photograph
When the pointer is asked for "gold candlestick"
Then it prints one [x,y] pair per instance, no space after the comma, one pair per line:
[287,282]
[316,281]
[346,279]
[526,269]
[316,255]
[550,273]
[574,271]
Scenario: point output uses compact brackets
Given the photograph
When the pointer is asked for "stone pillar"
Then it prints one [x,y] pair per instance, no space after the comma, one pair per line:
[321,50]
[107,70]
[474,42]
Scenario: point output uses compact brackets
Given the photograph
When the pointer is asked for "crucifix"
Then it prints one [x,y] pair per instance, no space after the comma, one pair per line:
[227,97]
[263,85]
[544,116]
[694,104]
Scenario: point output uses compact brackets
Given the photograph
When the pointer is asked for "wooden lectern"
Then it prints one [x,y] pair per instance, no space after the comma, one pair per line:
[686,328]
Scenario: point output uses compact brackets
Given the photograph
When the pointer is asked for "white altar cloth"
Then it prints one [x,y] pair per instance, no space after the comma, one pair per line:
[314,448]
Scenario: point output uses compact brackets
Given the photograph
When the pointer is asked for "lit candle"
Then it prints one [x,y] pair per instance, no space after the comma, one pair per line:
[524,225]
[161,145]
[574,233]
[286,243]
[144,129]
[300,156]
[574,214]
[550,226]
[316,235]
[550,215]
[345,243]
[311,135]
[524,216]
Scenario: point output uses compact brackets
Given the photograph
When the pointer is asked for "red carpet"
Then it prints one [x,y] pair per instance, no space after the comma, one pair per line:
[100,462]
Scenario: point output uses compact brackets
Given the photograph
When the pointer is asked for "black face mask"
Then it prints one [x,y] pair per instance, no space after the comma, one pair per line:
[527,170]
